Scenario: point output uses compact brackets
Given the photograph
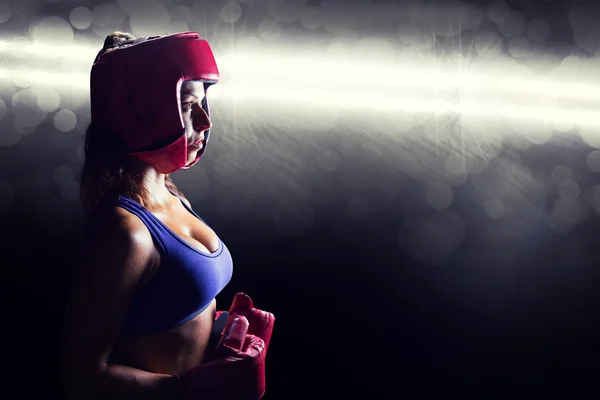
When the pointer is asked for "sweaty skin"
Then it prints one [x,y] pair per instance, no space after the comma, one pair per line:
[185,346]
[119,256]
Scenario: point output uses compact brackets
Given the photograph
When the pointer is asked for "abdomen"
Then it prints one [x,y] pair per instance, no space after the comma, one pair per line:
[172,351]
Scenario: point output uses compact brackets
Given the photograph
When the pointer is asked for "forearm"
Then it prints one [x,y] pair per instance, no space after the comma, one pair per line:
[121,382]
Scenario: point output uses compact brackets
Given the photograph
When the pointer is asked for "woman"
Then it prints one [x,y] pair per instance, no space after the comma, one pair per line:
[142,305]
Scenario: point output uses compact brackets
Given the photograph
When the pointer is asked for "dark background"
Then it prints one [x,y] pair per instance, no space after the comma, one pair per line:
[362,311]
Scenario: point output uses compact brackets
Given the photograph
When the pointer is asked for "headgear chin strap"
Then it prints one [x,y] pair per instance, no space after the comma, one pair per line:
[135,93]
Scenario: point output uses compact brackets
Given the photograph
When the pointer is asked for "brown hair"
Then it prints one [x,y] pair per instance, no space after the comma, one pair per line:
[107,169]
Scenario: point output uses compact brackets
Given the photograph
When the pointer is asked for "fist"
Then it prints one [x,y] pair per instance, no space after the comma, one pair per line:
[260,322]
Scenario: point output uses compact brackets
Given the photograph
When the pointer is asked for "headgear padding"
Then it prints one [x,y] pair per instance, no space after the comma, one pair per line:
[135,93]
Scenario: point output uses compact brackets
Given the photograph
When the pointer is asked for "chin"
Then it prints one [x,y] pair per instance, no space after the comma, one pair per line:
[192,156]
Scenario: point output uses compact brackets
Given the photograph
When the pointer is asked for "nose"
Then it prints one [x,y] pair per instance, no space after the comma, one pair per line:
[200,119]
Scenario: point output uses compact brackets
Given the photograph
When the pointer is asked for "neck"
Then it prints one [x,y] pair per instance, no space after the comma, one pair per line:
[154,183]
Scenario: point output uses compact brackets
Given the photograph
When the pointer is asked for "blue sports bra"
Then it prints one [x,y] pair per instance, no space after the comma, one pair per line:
[185,284]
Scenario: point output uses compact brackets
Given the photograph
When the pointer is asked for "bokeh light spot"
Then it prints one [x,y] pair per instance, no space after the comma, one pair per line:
[149,18]
[310,18]
[568,189]
[5,12]
[65,120]
[62,175]
[561,173]
[231,12]
[47,99]
[27,115]
[81,17]
[287,11]
[519,47]
[183,14]
[498,12]
[515,25]
[494,208]
[590,135]
[593,161]
[488,43]
[269,30]
[52,31]
[439,196]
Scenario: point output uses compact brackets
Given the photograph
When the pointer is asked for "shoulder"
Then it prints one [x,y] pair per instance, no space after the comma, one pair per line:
[118,223]
[120,238]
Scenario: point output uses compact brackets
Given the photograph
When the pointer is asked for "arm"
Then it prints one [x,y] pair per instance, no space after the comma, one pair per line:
[115,257]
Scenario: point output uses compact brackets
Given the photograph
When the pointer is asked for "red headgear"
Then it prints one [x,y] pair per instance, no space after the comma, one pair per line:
[135,93]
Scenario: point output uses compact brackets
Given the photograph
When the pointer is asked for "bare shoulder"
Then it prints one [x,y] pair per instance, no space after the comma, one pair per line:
[118,223]
[116,234]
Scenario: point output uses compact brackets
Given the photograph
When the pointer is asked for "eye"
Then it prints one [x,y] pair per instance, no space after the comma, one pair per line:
[187,106]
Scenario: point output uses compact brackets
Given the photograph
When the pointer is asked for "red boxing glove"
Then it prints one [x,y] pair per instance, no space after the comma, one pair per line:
[261,326]
[235,374]
[261,322]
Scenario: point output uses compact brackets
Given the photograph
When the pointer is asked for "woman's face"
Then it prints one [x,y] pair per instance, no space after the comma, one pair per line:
[195,119]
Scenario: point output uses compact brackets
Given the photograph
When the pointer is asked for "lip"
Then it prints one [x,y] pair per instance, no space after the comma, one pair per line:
[198,144]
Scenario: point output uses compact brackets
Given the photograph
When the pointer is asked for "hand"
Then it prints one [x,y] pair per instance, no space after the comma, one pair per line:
[261,322]
[236,373]
[260,325]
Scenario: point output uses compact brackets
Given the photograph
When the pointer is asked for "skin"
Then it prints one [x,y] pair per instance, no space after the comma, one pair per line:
[96,363]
